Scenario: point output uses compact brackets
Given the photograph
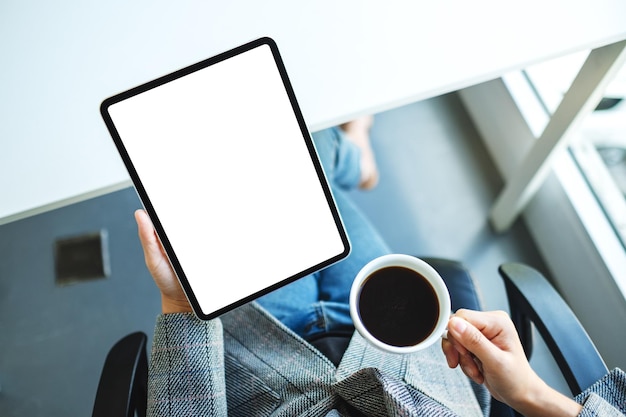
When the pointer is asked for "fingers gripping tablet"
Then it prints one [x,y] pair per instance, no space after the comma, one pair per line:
[224,165]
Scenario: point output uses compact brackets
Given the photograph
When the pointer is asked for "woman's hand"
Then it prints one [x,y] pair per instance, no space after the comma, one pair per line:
[173,299]
[487,347]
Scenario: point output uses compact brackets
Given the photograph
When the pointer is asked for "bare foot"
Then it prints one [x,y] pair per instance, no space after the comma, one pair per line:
[358,132]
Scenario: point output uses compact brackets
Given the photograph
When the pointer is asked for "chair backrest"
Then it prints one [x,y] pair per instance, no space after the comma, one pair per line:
[123,383]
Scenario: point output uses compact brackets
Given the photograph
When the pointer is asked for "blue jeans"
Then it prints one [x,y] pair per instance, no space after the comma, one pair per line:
[318,303]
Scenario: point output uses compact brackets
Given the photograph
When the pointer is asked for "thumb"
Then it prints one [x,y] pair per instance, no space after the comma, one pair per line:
[146,232]
[152,250]
[471,338]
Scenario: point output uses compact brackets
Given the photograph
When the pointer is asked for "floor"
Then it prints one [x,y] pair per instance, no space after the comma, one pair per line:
[436,187]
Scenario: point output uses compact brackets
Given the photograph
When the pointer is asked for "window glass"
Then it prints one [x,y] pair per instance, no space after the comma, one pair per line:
[599,144]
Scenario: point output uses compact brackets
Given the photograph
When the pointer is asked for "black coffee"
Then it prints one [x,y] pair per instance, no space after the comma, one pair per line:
[398,306]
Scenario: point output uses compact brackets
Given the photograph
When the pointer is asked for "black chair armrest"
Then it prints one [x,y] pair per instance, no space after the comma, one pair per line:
[123,382]
[533,299]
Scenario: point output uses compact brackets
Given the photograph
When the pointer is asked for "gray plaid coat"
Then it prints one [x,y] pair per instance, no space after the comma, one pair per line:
[248,364]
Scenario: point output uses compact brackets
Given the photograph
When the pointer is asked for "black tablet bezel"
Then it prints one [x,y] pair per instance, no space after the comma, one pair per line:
[177,267]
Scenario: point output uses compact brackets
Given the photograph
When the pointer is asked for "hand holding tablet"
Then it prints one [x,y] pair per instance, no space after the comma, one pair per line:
[225,140]
[173,298]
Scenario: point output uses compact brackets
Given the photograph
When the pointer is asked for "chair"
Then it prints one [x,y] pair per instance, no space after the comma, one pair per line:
[123,383]
[532,300]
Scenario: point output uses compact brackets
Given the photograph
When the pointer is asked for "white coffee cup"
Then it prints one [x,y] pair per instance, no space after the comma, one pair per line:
[399,303]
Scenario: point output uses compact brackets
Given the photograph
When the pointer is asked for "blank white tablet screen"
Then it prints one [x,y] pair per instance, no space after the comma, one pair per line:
[225,166]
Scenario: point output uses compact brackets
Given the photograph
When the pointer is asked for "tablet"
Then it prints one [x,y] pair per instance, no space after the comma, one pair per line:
[223,163]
